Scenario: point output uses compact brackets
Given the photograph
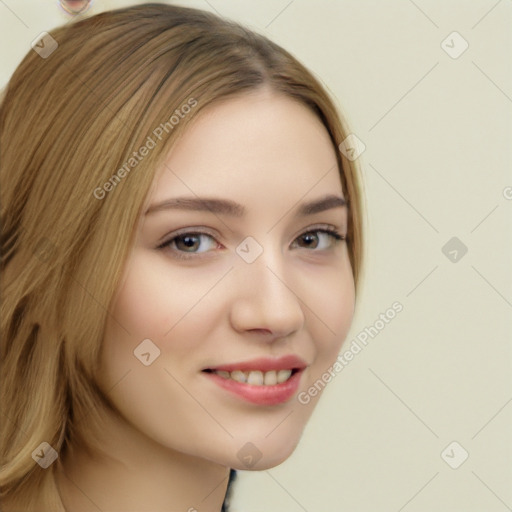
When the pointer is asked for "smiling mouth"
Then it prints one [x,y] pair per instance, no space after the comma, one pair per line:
[256,377]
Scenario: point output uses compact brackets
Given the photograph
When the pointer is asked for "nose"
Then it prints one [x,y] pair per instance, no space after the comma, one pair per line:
[264,298]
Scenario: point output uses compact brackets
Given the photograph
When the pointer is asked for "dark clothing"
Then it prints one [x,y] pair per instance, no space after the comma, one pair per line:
[227,499]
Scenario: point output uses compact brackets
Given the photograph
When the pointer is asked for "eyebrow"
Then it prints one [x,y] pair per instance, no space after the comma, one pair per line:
[228,207]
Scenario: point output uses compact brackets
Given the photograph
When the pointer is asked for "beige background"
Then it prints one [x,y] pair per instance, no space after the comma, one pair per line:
[437,164]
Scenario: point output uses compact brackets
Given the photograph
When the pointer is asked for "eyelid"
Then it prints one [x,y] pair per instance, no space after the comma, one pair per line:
[320,227]
[195,230]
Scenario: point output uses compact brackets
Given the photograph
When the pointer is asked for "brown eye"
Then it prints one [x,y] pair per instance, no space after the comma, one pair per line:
[326,238]
[186,245]
[310,239]
[187,242]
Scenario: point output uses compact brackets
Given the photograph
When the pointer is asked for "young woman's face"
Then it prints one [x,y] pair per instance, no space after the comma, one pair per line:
[227,286]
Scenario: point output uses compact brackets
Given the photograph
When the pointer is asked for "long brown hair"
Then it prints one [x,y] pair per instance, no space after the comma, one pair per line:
[71,118]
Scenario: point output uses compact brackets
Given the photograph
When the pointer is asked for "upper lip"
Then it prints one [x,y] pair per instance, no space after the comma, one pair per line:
[264,364]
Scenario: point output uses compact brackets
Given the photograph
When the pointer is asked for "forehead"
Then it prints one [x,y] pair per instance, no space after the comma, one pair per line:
[256,143]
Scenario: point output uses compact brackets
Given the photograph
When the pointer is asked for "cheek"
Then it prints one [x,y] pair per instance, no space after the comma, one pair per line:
[156,298]
[148,300]
[172,307]
[165,307]
[331,312]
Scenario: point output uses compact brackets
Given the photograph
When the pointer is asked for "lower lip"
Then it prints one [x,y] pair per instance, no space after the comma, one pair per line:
[260,395]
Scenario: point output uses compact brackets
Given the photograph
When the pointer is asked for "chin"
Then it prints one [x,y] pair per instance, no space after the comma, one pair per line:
[265,463]
[264,454]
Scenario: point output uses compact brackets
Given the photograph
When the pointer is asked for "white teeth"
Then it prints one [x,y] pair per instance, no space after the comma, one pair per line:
[270,378]
[283,375]
[256,377]
[238,376]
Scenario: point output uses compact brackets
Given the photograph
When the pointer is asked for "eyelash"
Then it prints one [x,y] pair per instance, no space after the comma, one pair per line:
[334,233]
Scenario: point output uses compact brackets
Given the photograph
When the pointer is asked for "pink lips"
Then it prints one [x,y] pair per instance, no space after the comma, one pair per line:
[262,395]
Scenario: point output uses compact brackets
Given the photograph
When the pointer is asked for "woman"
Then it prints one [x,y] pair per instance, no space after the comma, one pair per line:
[181,247]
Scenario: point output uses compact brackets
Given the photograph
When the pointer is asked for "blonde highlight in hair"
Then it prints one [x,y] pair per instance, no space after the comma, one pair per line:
[67,123]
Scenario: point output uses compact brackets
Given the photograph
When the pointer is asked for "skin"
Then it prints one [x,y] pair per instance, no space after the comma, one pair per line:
[182,432]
